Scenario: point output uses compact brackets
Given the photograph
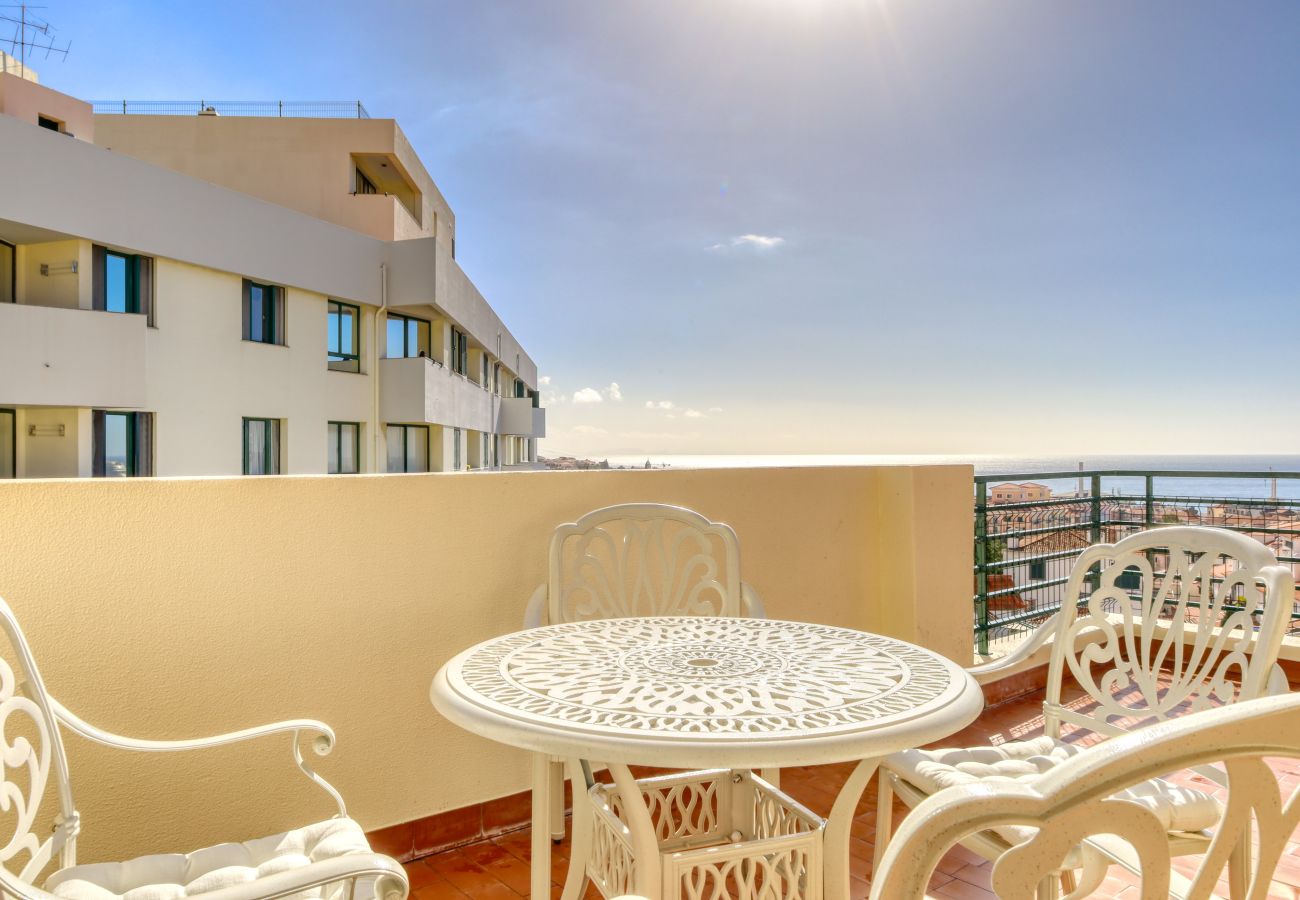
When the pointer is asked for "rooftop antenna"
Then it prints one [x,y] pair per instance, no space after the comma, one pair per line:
[31,33]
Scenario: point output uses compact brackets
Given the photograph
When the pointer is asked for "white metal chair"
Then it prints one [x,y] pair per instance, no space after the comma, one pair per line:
[1093,801]
[639,559]
[1157,624]
[642,559]
[329,860]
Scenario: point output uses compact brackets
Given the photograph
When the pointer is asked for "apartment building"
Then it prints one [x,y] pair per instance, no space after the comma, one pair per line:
[209,294]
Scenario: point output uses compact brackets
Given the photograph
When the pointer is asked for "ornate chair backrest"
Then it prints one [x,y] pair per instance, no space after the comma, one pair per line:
[643,559]
[1084,802]
[1177,619]
[31,755]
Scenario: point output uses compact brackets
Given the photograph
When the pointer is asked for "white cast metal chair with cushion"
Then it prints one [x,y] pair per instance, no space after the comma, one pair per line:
[1160,623]
[329,860]
[1092,805]
[638,559]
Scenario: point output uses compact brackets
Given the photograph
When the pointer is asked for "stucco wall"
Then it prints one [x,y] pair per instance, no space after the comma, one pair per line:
[311,166]
[203,378]
[26,100]
[70,357]
[169,608]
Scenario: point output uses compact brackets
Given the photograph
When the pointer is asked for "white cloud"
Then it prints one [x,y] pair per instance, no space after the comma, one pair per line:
[613,392]
[760,242]
[587,395]
[694,414]
[544,381]
[662,404]
[715,409]
[588,429]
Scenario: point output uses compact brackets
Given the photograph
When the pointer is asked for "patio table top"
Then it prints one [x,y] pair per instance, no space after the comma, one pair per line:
[705,691]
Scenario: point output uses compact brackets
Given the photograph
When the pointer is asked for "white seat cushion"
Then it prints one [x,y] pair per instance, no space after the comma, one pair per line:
[167,876]
[930,771]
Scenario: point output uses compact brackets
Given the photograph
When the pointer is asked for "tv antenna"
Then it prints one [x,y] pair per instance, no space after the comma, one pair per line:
[32,33]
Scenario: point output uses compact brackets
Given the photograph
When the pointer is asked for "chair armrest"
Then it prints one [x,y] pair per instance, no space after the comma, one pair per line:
[535,613]
[386,870]
[322,744]
[751,605]
[1021,653]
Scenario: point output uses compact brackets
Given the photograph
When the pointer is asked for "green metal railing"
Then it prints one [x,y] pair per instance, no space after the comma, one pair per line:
[1024,549]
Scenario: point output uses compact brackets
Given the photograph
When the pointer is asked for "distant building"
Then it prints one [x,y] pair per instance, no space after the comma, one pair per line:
[227,291]
[1026,492]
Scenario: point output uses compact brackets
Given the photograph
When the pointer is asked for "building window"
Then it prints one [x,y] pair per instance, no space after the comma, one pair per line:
[455,450]
[408,448]
[407,336]
[47,122]
[1038,570]
[8,273]
[122,444]
[121,282]
[263,313]
[459,352]
[364,184]
[344,448]
[261,446]
[344,342]
[8,433]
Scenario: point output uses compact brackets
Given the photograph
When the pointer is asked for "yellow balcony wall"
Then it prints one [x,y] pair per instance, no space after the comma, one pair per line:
[172,608]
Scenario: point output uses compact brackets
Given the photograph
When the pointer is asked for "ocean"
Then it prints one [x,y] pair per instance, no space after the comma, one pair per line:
[1223,485]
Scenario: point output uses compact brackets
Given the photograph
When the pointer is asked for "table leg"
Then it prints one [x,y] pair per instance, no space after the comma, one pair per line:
[540,884]
[645,844]
[575,883]
[839,825]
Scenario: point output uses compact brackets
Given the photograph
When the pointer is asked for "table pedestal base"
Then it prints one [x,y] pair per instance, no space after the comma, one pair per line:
[797,836]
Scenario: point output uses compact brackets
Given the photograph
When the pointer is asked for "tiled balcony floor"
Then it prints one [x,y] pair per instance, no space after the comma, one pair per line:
[497,869]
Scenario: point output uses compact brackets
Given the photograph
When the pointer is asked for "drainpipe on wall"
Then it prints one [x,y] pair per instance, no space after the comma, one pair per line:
[381,327]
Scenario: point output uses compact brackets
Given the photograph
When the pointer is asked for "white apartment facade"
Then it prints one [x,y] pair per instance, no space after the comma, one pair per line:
[164,312]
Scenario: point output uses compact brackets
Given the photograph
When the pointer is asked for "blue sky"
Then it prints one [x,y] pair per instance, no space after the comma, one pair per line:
[861,226]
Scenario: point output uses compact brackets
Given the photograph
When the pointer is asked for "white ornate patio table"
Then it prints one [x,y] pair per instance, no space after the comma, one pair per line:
[698,693]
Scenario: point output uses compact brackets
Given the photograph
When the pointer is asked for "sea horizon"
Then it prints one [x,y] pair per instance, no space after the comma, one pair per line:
[1285,486]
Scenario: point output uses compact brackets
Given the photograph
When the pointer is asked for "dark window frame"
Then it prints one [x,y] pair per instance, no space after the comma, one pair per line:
[455,450]
[139,286]
[271,320]
[50,123]
[363,184]
[338,356]
[459,352]
[270,443]
[13,441]
[1038,569]
[422,327]
[139,442]
[406,459]
[131,287]
[13,270]
[337,447]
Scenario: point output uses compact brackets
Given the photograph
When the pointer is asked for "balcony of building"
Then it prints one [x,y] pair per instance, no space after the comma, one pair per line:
[521,416]
[56,350]
[203,605]
[422,390]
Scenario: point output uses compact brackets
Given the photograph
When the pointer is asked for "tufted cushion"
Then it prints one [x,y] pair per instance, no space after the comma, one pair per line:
[167,876]
[1179,808]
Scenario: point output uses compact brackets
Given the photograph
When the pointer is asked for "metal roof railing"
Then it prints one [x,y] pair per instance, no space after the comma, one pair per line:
[267,109]
[1024,549]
